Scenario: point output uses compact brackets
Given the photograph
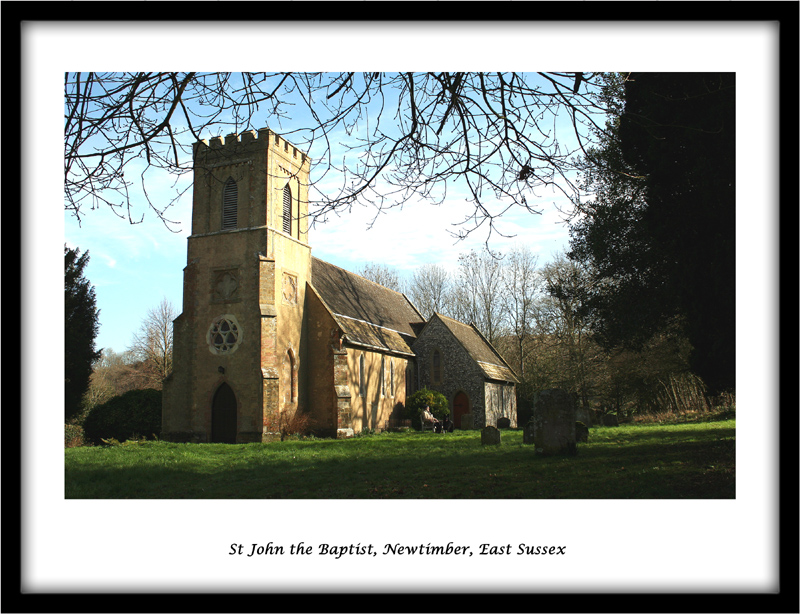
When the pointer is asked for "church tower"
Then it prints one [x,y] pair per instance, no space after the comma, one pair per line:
[240,342]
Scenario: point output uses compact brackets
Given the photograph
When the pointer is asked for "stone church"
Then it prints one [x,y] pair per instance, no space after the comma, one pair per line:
[267,330]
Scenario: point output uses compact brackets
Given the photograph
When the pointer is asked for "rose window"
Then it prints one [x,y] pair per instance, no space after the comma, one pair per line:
[224,335]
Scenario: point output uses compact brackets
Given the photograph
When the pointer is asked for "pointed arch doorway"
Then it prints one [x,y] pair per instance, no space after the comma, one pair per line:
[223,415]
[460,407]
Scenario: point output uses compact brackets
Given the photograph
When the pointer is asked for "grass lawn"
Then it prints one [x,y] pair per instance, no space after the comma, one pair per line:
[662,461]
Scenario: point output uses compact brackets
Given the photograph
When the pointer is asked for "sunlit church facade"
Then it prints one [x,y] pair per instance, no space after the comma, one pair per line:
[268,331]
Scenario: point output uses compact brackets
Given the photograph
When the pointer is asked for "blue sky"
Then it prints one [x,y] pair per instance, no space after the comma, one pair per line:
[134,266]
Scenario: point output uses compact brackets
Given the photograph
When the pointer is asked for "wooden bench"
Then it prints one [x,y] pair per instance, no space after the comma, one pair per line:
[427,419]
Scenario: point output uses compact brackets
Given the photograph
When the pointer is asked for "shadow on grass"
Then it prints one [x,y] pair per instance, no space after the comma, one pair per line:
[617,463]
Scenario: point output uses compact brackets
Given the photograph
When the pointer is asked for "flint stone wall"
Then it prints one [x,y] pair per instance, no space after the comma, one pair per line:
[459,372]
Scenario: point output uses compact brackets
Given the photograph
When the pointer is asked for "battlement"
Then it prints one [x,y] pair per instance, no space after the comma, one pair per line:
[248,141]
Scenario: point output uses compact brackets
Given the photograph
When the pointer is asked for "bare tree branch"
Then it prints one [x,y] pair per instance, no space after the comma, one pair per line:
[499,136]
[152,344]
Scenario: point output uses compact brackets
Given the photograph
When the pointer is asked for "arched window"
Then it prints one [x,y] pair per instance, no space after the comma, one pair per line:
[436,367]
[287,210]
[361,382]
[383,377]
[230,201]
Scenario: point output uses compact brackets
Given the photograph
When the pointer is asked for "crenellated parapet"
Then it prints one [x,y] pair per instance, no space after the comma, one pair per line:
[240,182]
[226,149]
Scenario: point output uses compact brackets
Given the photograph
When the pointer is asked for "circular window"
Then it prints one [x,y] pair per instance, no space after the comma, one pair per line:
[225,335]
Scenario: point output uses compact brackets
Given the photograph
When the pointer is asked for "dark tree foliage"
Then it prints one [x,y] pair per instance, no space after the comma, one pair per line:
[611,233]
[81,325]
[137,413]
[662,232]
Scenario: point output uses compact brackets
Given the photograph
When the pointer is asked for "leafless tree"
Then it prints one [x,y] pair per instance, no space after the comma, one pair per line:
[567,284]
[102,383]
[382,274]
[152,344]
[429,289]
[382,138]
[522,282]
[476,295]
[114,374]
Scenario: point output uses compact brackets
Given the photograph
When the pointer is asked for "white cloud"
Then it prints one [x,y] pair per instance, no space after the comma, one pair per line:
[421,233]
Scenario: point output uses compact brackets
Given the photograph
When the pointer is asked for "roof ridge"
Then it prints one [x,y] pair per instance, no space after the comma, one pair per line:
[470,325]
[495,352]
[493,349]
[359,276]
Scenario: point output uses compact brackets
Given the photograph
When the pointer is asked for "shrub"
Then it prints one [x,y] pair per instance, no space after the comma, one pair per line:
[416,403]
[135,414]
[73,436]
[293,422]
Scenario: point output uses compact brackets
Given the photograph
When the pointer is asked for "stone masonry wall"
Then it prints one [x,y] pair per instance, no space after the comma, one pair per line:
[373,408]
[329,374]
[233,273]
[460,373]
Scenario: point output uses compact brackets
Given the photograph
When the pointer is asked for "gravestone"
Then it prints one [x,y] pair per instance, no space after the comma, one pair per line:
[554,423]
[610,420]
[581,432]
[503,423]
[584,414]
[527,433]
[466,422]
[490,436]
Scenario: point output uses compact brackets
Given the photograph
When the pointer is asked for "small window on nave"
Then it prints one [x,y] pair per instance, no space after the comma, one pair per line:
[436,367]
[362,383]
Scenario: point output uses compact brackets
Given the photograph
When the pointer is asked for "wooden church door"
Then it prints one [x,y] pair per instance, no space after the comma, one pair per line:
[223,415]
[460,407]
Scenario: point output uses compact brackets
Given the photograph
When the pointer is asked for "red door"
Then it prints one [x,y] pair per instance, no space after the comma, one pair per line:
[460,407]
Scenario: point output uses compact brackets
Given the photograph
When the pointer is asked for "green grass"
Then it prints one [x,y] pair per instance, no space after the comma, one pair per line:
[673,461]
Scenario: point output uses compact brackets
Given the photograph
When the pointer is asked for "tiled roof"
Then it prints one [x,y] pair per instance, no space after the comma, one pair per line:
[368,313]
[493,366]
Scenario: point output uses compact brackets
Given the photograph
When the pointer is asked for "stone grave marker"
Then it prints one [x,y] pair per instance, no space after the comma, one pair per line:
[584,414]
[503,423]
[490,436]
[527,433]
[554,423]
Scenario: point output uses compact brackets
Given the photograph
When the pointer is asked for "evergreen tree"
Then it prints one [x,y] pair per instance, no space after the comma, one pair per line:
[661,231]
[81,325]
